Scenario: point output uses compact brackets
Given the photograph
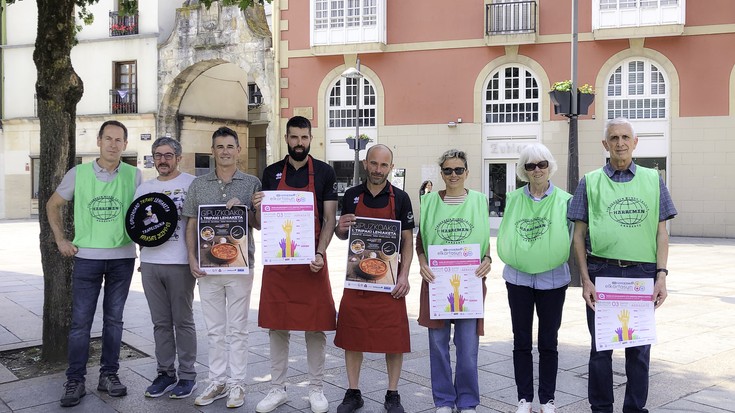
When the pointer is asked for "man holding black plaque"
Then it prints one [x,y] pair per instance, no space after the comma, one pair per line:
[225,297]
[373,321]
[167,282]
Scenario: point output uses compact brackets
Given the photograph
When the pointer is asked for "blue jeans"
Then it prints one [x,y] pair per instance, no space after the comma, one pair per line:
[549,305]
[637,359]
[86,284]
[464,391]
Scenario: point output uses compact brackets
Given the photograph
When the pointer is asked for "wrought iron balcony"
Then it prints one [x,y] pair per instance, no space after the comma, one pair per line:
[123,25]
[123,101]
[510,18]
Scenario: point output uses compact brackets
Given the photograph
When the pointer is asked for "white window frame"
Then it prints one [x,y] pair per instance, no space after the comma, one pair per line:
[524,74]
[342,99]
[611,14]
[637,89]
[339,22]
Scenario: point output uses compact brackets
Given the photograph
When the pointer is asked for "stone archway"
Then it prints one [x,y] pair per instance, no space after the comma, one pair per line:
[201,41]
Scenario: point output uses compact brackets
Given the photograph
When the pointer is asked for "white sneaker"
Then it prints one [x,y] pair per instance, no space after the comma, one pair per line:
[468,411]
[214,391]
[274,398]
[524,407]
[548,407]
[444,409]
[236,398]
[318,402]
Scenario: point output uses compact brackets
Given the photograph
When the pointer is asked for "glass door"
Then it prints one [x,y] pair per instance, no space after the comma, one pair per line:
[501,179]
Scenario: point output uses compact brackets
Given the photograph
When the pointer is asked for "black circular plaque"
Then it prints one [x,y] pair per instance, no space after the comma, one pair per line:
[151,219]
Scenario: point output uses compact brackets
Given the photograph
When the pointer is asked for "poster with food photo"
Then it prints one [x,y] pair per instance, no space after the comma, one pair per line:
[223,239]
[372,256]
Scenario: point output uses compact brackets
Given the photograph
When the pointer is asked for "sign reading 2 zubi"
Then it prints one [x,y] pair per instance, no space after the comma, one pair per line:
[624,315]
[151,219]
[223,239]
[287,227]
[456,291]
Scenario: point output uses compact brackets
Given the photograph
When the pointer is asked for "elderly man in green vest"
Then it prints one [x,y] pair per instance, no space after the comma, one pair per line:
[633,243]
[101,190]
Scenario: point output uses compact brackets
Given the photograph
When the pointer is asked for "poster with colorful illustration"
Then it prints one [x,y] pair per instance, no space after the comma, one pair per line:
[456,291]
[372,259]
[223,239]
[624,315]
[287,227]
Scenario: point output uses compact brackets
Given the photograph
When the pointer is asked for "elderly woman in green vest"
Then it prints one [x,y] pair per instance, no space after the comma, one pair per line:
[533,242]
[467,210]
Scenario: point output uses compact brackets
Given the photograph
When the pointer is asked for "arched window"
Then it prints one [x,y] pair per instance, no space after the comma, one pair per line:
[512,96]
[636,90]
[343,103]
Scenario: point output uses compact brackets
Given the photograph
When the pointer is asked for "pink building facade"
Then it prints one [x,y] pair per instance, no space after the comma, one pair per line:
[475,75]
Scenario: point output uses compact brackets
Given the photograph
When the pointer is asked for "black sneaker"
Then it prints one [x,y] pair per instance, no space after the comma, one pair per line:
[393,402]
[351,402]
[73,393]
[161,385]
[184,388]
[110,383]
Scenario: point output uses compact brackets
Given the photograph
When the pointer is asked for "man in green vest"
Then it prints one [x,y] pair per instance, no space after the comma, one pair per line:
[620,213]
[102,191]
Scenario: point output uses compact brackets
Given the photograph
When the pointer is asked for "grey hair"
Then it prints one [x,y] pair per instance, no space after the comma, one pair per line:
[616,122]
[535,151]
[453,153]
[173,143]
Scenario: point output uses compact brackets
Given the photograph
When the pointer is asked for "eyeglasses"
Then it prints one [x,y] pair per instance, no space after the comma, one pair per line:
[457,171]
[532,166]
[168,156]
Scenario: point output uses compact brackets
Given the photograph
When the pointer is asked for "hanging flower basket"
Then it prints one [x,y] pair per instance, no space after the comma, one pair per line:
[361,143]
[561,97]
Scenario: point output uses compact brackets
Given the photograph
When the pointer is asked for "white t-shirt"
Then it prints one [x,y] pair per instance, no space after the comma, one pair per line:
[173,251]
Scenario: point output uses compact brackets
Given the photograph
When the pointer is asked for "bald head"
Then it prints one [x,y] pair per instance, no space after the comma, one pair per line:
[378,163]
[380,148]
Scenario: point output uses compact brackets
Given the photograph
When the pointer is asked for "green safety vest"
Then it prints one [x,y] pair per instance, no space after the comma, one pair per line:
[99,207]
[623,216]
[534,236]
[466,223]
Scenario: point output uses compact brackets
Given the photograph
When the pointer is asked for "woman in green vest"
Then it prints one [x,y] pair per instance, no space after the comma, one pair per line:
[533,242]
[453,216]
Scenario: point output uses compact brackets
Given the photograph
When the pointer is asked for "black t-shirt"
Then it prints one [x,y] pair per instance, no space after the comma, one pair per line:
[404,212]
[325,180]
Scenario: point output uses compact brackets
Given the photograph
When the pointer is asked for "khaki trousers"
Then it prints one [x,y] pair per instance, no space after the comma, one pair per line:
[316,347]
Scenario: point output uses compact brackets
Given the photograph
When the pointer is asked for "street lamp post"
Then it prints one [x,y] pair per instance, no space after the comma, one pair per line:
[354,73]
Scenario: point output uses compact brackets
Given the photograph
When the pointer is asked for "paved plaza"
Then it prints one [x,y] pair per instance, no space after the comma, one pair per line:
[691,368]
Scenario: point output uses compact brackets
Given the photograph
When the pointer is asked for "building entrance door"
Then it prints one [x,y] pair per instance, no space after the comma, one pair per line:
[501,179]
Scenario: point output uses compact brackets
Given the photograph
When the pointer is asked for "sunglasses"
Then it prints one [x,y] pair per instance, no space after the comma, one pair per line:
[532,166]
[458,171]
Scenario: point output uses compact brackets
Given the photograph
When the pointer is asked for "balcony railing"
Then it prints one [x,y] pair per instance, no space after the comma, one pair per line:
[510,18]
[123,25]
[123,101]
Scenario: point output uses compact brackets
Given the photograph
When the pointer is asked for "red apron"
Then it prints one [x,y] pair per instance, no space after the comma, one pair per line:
[292,297]
[371,321]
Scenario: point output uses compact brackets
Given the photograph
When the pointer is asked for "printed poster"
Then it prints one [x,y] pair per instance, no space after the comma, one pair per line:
[223,239]
[456,291]
[372,258]
[287,227]
[624,315]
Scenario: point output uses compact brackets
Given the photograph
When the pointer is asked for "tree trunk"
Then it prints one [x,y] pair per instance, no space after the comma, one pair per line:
[58,90]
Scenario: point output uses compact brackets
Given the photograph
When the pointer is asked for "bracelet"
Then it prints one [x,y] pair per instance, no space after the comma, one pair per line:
[488,257]
[663,270]
[319,253]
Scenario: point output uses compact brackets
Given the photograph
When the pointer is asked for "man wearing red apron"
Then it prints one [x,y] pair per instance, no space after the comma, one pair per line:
[371,321]
[299,297]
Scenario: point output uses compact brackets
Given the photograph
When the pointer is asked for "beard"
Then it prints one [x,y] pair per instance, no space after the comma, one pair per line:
[298,156]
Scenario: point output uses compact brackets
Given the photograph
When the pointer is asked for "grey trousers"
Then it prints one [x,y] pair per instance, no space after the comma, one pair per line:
[169,289]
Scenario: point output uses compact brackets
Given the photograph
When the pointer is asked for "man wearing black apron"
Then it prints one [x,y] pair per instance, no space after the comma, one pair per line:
[299,297]
[374,321]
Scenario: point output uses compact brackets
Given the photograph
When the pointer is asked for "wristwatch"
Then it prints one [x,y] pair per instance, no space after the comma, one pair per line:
[488,257]
[663,270]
